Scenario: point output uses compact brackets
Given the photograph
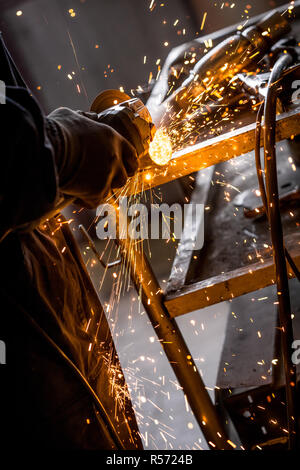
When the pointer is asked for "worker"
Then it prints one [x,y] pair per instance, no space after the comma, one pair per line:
[62,386]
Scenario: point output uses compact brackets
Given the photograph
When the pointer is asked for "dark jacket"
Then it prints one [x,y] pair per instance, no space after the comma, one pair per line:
[49,307]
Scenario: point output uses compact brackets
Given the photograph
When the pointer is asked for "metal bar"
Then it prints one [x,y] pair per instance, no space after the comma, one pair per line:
[95,251]
[185,248]
[252,213]
[173,342]
[275,223]
[211,152]
[161,87]
[229,285]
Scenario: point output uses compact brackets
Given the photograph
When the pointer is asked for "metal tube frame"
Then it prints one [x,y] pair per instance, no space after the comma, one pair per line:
[173,343]
[170,335]
[284,305]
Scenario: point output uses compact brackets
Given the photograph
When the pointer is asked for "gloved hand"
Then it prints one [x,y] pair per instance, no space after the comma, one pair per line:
[91,157]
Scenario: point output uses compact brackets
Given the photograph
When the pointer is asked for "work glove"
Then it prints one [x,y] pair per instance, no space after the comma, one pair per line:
[91,158]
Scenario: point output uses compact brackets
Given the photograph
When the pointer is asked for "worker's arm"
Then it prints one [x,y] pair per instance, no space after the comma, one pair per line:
[42,158]
[92,157]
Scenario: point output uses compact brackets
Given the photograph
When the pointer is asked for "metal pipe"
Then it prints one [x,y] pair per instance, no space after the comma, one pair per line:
[211,152]
[274,218]
[173,343]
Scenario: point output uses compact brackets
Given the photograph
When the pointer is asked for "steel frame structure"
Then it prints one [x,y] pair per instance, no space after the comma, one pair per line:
[162,309]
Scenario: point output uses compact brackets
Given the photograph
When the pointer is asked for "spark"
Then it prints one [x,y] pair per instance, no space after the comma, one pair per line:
[160,149]
[203,20]
[201,120]
[151,4]
[231,443]
[77,63]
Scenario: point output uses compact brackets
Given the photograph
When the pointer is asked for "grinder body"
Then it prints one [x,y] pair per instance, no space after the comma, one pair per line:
[129,117]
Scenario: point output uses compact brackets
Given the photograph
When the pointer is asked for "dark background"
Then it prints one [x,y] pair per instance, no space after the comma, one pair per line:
[46,36]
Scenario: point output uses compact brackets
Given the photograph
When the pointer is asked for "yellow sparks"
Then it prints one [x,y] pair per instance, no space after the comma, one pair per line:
[231,443]
[160,149]
[203,20]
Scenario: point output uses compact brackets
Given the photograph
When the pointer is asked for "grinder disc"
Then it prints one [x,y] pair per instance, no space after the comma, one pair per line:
[108,98]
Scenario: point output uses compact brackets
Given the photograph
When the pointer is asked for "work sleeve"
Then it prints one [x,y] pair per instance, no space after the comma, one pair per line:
[43,159]
[28,172]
